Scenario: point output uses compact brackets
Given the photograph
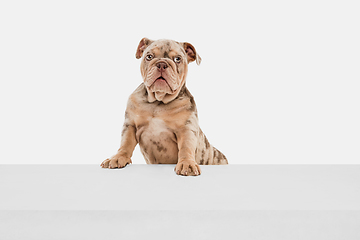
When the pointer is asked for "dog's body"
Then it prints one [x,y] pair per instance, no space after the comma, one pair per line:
[161,114]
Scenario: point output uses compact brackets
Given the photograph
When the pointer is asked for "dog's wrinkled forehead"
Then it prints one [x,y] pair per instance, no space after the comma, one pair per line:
[165,49]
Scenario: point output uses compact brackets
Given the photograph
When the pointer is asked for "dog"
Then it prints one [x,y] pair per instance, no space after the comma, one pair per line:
[161,114]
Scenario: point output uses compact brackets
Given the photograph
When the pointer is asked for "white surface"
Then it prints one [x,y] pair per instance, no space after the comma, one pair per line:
[157,187]
[278,83]
[272,202]
[199,225]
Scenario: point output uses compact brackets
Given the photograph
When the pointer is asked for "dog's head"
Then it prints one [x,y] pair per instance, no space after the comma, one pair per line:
[164,67]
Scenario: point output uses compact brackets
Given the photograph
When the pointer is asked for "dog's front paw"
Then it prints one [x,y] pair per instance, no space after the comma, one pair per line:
[187,168]
[116,162]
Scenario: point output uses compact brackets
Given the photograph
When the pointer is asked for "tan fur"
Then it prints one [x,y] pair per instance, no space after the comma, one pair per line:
[161,114]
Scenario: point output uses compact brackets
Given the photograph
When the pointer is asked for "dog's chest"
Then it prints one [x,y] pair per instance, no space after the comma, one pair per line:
[157,142]
[157,125]
[154,128]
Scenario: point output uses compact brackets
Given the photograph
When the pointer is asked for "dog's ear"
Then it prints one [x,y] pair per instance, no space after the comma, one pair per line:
[144,43]
[191,53]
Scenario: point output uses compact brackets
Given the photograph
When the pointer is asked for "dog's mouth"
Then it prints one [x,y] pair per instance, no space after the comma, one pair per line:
[161,78]
[161,82]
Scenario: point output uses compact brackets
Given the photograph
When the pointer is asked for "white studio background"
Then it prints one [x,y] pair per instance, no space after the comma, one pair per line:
[279,82]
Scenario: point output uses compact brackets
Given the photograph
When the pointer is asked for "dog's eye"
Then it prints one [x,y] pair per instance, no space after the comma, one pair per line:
[177,59]
[149,57]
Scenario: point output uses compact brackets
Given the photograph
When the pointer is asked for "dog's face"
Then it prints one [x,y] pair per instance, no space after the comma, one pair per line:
[164,67]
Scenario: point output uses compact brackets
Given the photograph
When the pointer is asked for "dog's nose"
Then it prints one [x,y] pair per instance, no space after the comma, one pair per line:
[161,66]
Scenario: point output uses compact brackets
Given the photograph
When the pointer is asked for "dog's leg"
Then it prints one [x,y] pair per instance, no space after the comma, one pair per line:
[187,142]
[123,156]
